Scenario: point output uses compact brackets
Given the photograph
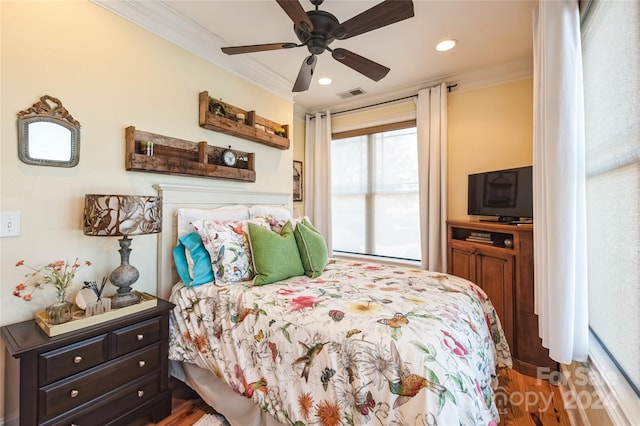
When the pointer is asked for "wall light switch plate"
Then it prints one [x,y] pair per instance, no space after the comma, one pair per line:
[10,223]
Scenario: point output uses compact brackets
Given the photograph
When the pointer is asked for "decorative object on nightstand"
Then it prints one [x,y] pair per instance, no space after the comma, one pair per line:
[60,274]
[122,216]
[90,299]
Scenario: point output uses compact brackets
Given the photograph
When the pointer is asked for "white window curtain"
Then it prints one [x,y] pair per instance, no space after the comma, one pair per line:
[317,173]
[431,126]
[559,182]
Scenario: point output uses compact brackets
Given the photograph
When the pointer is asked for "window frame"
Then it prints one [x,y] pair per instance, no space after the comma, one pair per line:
[370,194]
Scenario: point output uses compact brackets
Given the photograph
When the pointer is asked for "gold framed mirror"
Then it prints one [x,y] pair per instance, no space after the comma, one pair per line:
[48,135]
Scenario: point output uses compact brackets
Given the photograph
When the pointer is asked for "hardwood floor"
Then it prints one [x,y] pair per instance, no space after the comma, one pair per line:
[526,401]
[521,400]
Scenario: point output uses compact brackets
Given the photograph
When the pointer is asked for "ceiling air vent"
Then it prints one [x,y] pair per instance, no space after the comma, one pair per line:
[351,93]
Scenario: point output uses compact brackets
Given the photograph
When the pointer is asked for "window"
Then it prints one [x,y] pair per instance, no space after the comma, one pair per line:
[611,64]
[375,209]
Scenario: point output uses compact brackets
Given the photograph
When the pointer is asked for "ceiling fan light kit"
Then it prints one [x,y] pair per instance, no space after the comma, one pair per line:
[317,29]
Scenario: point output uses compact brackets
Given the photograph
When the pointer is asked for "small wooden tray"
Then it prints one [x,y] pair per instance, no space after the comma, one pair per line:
[80,321]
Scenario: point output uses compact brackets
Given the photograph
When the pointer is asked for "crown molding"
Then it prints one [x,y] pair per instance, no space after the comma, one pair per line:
[160,19]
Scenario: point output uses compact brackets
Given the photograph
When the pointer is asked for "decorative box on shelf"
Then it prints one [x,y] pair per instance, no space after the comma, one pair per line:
[79,320]
[223,117]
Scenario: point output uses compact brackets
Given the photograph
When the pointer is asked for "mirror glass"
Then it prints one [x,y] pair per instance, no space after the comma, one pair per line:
[48,135]
[49,141]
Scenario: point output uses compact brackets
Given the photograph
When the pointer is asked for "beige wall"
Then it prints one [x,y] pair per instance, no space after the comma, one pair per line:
[109,74]
[489,128]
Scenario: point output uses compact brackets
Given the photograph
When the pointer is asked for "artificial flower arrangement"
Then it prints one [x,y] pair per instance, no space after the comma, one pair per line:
[59,273]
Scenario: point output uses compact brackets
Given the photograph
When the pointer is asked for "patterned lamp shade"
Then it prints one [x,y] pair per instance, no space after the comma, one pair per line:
[122,215]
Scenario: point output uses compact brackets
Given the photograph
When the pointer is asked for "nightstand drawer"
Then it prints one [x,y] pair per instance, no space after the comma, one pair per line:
[68,394]
[113,406]
[72,359]
[136,336]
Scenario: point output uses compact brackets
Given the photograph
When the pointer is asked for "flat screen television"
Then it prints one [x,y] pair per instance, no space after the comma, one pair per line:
[506,194]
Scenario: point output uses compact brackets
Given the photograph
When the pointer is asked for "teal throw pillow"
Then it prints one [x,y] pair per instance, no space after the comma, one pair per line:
[202,272]
[312,248]
[275,256]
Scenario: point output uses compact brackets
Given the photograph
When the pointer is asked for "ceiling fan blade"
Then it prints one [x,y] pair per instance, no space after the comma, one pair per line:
[386,13]
[257,48]
[364,66]
[305,74]
[294,9]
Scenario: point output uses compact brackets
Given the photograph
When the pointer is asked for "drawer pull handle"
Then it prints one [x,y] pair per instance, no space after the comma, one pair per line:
[74,393]
[140,337]
[140,393]
[141,363]
[77,360]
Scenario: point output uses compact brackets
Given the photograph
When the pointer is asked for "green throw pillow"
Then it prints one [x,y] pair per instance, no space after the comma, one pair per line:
[312,248]
[275,256]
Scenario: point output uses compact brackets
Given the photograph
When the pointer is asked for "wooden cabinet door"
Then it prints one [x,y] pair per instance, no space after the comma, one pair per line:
[461,264]
[494,274]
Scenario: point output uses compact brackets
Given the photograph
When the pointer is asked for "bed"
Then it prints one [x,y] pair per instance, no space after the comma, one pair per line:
[361,343]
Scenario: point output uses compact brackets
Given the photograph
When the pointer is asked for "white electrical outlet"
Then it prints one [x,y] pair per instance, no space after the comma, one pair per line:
[10,223]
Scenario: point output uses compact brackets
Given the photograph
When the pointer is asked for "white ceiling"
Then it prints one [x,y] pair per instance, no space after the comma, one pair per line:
[494,44]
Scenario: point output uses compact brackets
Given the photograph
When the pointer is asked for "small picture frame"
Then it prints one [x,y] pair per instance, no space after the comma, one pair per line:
[297,180]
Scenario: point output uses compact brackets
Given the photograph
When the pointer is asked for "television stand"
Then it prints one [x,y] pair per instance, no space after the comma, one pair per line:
[499,258]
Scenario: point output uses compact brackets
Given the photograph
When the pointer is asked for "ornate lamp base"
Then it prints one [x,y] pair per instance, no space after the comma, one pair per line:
[123,277]
[120,300]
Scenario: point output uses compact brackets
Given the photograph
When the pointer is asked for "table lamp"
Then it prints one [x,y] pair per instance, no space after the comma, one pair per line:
[122,216]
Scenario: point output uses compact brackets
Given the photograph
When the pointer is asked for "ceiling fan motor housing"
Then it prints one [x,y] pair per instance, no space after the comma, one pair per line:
[324,26]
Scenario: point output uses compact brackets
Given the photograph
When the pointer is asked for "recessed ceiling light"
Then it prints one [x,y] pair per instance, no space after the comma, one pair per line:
[324,81]
[445,45]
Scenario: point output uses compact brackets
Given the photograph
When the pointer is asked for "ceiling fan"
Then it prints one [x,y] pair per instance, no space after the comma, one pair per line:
[317,29]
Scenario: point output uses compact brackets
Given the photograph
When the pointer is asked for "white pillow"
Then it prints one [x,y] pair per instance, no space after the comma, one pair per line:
[278,213]
[188,215]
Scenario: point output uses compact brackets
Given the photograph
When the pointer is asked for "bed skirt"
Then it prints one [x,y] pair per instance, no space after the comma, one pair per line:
[238,410]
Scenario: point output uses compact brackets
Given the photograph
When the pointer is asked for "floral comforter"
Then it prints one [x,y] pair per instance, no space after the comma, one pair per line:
[362,344]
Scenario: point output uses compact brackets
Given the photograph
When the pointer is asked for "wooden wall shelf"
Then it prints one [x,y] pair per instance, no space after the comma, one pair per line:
[180,157]
[227,124]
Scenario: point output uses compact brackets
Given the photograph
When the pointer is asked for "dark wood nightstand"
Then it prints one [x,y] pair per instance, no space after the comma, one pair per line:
[104,374]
